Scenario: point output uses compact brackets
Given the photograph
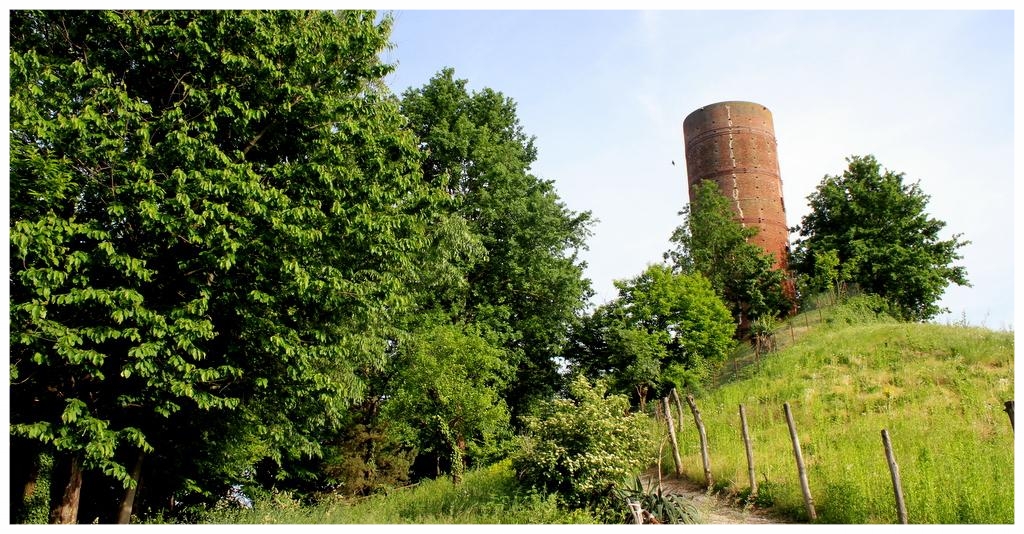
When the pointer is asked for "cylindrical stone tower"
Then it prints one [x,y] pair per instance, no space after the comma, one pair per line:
[733,145]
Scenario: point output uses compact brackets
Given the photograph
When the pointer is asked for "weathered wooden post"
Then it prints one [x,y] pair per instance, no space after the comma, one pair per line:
[661,449]
[750,452]
[804,486]
[672,436]
[703,439]
[897,486]
[679,406]
[1008,408]
[637,510]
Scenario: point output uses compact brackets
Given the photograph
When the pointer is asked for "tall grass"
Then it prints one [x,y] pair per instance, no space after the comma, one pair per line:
[488,495]
[939,390]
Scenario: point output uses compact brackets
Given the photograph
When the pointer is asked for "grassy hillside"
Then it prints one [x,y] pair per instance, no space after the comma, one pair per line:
[938,390]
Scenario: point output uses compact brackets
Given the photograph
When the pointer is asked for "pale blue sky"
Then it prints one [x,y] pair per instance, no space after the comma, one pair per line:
[929,93]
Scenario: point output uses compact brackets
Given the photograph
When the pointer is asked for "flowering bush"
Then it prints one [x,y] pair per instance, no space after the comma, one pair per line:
[584,445]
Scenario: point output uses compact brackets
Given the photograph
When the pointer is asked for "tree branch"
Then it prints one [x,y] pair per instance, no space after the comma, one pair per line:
[255,140]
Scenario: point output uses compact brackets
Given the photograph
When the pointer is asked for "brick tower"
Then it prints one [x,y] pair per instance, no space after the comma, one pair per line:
[733,144]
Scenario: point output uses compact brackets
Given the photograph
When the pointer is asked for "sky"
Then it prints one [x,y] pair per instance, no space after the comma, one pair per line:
[928,93]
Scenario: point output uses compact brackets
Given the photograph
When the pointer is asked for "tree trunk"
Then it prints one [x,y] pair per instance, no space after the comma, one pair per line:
[29,489]
[66,511]
[124,512]
[31,475]
[459,460]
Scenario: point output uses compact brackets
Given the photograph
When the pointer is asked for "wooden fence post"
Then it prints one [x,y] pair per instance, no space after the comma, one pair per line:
[1008,408]
[679,406]
[897,486]
[703,439]
[750,452]
[808,500]
[636,508]
[672,436]
[661,449]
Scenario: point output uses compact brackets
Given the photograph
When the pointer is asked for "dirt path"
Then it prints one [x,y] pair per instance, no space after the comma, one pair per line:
[714,510]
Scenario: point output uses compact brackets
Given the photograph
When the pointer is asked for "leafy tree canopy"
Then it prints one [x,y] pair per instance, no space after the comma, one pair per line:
[885,241]
[528,286]
[217,225]
[661,322]
[447,394]
[712,242]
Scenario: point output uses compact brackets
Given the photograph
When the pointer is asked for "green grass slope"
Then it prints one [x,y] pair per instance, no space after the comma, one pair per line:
[938,390]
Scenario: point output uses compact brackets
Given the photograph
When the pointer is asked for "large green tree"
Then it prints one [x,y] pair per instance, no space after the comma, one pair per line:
[446,393]
[217,220]
[712,242]
[529,286]
[884,239]
[664,329]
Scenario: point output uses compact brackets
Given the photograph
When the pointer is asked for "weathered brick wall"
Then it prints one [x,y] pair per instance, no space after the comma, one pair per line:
[733,144]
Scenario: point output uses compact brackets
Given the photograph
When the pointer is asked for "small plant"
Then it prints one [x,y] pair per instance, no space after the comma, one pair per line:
[763,499]
[962,322]
[762,332]
[658,507]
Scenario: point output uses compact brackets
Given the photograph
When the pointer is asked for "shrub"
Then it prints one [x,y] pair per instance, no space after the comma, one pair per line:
[583,446]
[366,459]
[765,497]
[861,309]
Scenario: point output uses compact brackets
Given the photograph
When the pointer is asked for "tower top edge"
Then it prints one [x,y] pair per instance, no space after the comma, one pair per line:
[730,103]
